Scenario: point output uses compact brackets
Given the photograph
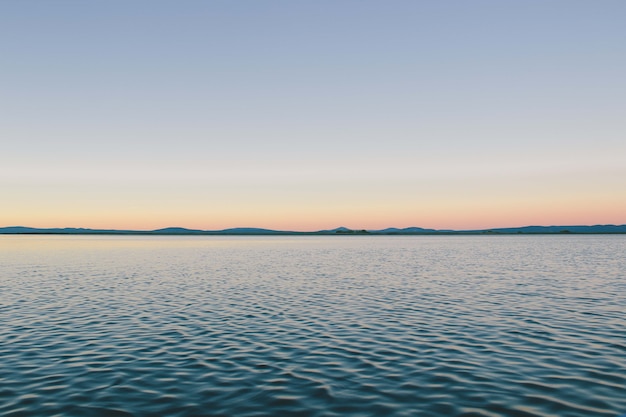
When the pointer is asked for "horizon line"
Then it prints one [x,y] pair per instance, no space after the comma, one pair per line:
[260,230]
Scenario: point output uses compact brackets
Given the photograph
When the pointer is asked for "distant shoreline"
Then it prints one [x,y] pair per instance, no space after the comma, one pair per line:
[341,231]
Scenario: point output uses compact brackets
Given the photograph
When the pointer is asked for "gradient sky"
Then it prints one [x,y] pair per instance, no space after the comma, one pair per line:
[306,115]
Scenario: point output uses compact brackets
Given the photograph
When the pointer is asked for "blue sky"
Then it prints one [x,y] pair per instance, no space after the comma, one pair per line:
[312,114]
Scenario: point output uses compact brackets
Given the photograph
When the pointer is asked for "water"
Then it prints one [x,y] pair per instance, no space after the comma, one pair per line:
[313,326]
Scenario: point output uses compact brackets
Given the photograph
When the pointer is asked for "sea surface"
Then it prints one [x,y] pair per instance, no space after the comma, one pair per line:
[313,326]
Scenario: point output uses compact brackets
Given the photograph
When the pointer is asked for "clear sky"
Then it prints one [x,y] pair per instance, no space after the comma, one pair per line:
[307,115]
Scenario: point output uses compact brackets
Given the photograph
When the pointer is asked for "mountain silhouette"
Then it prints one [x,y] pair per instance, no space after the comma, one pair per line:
[576,229]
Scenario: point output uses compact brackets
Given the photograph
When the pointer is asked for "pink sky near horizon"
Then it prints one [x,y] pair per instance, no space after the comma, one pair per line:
[312,115]
[474,214]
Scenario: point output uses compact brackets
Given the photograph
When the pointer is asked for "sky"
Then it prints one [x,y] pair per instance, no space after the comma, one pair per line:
[308,115]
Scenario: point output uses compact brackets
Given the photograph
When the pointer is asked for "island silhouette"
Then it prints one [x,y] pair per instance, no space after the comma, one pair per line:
[249,231]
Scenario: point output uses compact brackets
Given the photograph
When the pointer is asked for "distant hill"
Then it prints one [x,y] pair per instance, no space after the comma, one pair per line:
[342,230]
[176,231]
[406,230]
[596,229]
[336,230]
[250,231]
[608,228]
[16,229]
[63,231]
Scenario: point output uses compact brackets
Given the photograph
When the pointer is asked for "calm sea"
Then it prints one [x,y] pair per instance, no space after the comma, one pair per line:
[313,326]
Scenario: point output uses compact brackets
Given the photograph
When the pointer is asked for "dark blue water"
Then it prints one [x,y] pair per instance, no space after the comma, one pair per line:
[313,326]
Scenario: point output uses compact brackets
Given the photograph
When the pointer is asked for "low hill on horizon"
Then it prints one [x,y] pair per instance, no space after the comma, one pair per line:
[575,229]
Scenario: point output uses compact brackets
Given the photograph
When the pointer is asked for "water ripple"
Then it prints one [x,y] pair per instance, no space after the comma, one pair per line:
[342,326]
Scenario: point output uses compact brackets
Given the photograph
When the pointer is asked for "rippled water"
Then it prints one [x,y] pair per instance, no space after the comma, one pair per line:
[313,326]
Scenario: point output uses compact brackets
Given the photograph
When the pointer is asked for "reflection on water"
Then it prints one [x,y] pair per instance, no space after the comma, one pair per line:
[313,326]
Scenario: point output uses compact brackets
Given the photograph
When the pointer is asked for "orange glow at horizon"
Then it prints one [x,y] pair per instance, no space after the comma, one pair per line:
[462,215]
